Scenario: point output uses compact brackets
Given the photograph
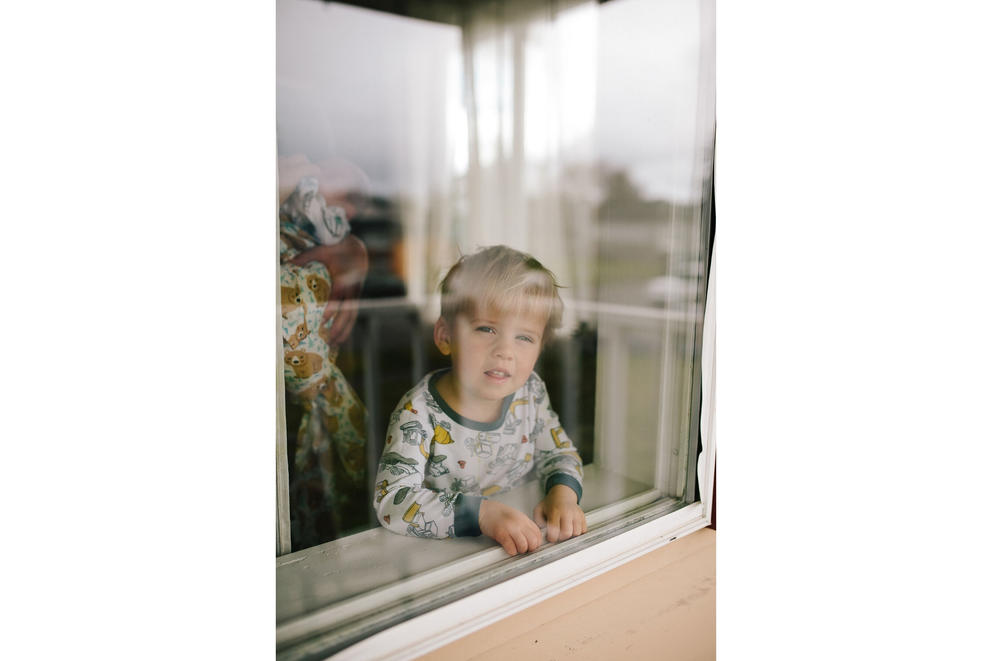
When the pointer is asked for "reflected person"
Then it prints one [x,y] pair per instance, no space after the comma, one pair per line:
[322,267]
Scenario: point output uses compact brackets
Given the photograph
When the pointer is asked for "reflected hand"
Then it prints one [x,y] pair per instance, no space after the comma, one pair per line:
[561,514]
[337,180]
[347,263]
[291,170]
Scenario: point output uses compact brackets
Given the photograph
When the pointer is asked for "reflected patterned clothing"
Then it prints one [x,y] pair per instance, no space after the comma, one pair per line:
[437,467]
[327,489]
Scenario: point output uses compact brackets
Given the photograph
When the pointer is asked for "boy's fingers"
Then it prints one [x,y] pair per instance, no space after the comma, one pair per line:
[553,527]
[578,524]
[534,537]
[520,541]
[506,541]
[539,515]
[566,527]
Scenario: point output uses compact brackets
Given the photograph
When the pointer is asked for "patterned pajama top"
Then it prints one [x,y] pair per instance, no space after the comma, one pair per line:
[437,467]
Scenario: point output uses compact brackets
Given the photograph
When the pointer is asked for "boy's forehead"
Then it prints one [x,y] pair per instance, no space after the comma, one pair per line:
[529,316]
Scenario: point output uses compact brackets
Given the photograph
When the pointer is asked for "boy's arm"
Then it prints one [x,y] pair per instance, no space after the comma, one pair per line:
[559,468]
[401,501]
[556,459]
[405,506]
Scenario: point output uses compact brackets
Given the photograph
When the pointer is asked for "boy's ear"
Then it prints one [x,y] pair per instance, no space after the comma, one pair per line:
[442,336]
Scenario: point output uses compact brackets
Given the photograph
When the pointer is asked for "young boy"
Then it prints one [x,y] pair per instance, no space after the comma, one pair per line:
[480,427]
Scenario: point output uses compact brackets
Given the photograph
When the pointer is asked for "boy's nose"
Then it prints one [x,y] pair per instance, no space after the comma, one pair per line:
[503,349]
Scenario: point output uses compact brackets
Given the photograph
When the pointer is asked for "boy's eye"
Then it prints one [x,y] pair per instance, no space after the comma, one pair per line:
[525,338]
[486,329]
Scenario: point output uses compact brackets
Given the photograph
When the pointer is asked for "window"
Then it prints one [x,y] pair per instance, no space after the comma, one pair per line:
[579,132]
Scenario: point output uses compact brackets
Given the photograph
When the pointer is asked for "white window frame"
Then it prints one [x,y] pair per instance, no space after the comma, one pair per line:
[624,540]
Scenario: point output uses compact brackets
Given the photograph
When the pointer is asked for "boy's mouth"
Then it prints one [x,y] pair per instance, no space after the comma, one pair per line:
[497,374]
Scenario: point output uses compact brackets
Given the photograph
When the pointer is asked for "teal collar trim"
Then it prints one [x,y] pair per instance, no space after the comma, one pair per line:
[463,421]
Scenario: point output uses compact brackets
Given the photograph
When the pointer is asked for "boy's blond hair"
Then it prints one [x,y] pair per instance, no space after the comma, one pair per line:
[503,280]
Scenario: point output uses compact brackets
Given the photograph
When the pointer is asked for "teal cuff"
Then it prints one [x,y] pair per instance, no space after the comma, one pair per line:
[567,480]
[467,515]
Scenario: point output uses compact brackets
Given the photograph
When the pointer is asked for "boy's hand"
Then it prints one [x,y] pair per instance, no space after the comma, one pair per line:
[560,512]
[508,526]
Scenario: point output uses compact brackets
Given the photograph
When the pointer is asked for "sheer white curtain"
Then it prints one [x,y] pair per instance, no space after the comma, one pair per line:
[520,146]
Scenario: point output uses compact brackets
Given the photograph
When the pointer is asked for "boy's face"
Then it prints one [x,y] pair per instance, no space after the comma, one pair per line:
[492,354]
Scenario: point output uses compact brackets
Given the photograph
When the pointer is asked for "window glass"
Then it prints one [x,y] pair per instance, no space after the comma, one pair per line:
[578,132]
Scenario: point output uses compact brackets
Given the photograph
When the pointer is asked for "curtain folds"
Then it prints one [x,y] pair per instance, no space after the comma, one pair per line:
[519,148]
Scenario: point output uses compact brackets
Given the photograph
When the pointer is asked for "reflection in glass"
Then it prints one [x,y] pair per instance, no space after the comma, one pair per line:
[575,131]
